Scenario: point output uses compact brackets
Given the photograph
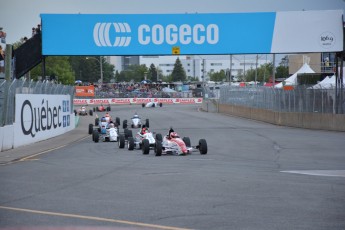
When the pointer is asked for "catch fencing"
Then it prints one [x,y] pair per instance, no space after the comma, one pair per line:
[298,100]
[9,89]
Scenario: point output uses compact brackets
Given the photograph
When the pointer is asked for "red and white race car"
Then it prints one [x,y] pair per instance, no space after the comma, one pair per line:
[172,144]
[102,108]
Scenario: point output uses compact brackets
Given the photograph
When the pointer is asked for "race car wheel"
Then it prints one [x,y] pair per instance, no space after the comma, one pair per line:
[147,123]
[124,124]
[128,133]
[96,121]
[108,108]
[158,148]
[95,136]
[117,120]
[202,146]
[121,141]
[145,146]
[132,126]
[130,143]
[186,140]
[90,128]
[90,112]
[94,109]
[159,137]
[143,105]
[160,104]
[75,112]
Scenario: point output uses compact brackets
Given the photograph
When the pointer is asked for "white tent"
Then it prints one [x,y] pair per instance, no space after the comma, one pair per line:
[327,83]
[292,80]
[168,90]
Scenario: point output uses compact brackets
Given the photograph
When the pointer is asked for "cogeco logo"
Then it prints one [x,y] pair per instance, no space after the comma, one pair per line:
[172,34]
[101,33]
[41,118]
[157,34]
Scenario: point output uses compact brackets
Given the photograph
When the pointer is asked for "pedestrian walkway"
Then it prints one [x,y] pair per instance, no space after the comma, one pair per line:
[79,133]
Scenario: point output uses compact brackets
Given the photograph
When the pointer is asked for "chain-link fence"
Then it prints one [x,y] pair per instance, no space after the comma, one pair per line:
[300,99]
[8,90]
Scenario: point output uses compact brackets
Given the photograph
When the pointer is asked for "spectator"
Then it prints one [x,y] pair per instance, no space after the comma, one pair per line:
[38,29]
[2,60]
[33,31]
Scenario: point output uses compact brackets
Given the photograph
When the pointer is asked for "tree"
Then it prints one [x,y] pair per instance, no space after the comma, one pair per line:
[58,67]
[134,73]
[152,74]
[178,73]
[282,71]
[218,76]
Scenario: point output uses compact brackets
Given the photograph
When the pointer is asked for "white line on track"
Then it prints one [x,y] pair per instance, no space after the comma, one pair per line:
[336,173]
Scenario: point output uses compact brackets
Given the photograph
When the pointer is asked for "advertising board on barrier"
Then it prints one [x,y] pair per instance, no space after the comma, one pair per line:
[85,91]
[40,117]
[222,33]
[128,101]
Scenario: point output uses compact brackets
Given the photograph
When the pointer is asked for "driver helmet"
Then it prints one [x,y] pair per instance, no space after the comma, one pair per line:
[107,114]
[135,116]
[103,119]
[173,135]
[144,130]
[111,125]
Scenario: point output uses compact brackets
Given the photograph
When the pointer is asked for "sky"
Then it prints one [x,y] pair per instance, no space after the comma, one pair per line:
[17,17]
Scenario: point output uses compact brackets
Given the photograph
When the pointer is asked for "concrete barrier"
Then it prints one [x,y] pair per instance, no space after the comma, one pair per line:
[332,122]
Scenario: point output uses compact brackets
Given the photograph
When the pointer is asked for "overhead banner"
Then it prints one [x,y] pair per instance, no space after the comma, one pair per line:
[165,34]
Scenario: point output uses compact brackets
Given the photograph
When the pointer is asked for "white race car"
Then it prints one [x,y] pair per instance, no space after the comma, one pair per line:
[144,141]
[152,104]
[135,122]
[105,132]
[174,145]
[83,112]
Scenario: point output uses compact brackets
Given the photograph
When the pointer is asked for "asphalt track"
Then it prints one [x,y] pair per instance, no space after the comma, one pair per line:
[255,176]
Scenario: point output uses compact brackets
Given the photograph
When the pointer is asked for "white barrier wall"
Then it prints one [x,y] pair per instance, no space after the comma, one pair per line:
[128,101]
[37,117]
[41,117]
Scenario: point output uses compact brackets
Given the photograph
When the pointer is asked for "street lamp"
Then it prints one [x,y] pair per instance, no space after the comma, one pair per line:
[100,66]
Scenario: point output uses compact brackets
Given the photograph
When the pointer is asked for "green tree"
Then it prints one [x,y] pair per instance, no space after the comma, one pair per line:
[135,73]
[218,76]
[153,73]
[178,73]
[58,67]
[282,71]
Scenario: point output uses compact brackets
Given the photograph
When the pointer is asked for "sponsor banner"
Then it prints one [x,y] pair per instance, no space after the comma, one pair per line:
[223,33]
[40,117]
[156,34]
[128,101]
[85,91]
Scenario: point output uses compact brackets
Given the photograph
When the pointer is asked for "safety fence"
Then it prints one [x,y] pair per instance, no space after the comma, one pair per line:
[300,99]
[9,89]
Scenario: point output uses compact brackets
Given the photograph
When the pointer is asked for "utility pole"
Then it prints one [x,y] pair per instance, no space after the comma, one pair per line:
[274,70]
[230,69]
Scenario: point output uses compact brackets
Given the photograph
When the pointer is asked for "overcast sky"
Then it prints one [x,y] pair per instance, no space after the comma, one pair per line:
[17,17]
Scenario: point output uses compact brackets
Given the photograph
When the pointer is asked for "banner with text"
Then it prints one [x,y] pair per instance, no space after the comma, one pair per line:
[128,101]
[164,34]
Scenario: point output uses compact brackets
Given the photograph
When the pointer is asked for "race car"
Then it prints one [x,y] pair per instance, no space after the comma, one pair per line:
[102,108]
[82,111]
[105,131]
[135,122]
[143,140]
[172,144]
[152,104]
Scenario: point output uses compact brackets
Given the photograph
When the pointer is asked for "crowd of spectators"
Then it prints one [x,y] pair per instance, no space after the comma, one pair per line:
[133,90]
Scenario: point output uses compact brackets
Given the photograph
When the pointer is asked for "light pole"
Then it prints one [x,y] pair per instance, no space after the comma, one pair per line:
[100,66]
